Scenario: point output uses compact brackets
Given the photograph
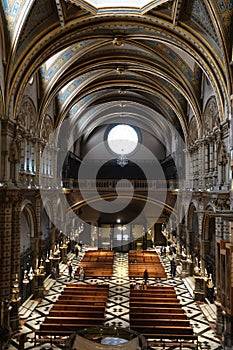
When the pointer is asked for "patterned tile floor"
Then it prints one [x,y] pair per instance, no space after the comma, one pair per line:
[118,303]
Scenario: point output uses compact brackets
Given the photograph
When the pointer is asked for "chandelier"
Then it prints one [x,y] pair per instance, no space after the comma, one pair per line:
[122,160]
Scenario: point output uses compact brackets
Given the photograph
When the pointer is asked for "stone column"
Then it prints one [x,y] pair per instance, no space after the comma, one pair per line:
[1,170]
[200,281]
[15,261]
[189,169]
[39,281]
[206,151]
[5,255]
[219,319]
[205,250]
[38,153]
[178,248]
[228,331]
[215,165]
[226,234]
[200,236]
[201,165]
[7,135]
[211,163]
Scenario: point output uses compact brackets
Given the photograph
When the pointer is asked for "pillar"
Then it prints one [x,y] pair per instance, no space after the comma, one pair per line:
[5,256]
[219,319]
[228,331]
[15,260]
[39,281]
[201,165]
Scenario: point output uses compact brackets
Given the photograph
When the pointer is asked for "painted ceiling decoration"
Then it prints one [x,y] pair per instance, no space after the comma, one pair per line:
[121,6]
[88,54]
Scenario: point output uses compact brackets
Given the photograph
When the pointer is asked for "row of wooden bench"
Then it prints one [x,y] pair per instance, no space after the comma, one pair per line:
[143,256]
[156,313]
[78,306]
[139,261]
[97,263]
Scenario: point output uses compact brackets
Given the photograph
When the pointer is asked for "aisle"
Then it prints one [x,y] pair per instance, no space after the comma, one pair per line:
[117,311]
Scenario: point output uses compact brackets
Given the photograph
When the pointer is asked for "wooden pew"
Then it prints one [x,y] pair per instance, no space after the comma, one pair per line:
[97,263]
[149,310]
[164,289]
[156,313]
[153,294]
[73,321]
[157,330]
[77,313]
[155,298]
[80,302]
[155,304]
[157,316]
[88,298]
[139,261]
[55,333]
[158,322]
[84,293]
[99,287]
[79,307]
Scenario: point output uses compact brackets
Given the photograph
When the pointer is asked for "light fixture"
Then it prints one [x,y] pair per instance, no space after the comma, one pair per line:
[41,267]
[31,274]
[51,255]
[122,140]
[118,41]
[47,258]
[16,282]
[122,160]
[25,277]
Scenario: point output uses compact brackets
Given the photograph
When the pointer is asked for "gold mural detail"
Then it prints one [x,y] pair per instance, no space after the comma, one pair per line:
[47,127]
[27,115]
[193,130]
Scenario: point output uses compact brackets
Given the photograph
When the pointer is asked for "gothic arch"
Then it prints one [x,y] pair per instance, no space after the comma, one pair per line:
[209,241]
[46,127]
[28,226]
[47,219]
[27,117]
[222,161]
[211,118]
[60,215]
[193,130]
[193,242]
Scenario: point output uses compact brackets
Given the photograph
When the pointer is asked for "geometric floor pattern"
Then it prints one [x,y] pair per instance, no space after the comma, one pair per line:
[117,313]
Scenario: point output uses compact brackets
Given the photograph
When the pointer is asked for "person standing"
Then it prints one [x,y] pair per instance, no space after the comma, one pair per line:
[76,250]
[173,268]
[70,270]
[145,276]
[54,273]
[81,274]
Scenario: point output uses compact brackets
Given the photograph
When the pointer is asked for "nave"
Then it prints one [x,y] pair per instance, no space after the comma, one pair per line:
[117,310]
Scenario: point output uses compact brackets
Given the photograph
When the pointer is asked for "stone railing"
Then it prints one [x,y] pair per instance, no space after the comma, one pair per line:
[111,184]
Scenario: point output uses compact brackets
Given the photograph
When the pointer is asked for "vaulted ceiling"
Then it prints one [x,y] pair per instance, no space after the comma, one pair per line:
[96,61]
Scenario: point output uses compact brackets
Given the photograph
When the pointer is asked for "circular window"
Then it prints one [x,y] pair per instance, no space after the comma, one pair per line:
[122,139]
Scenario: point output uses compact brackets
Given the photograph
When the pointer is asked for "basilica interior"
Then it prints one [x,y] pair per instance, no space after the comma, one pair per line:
[116,139]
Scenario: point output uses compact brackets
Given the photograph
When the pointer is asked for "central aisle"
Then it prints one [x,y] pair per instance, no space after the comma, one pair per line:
[117,313]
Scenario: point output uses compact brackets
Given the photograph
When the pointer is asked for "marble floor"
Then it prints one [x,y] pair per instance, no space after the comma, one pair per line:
[117,314]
